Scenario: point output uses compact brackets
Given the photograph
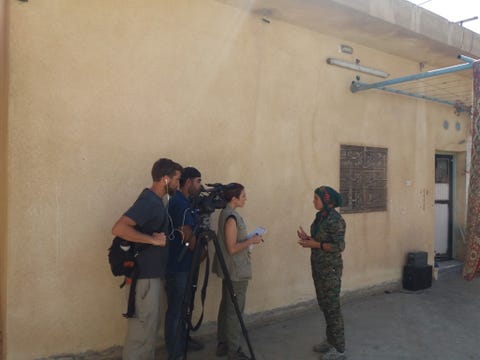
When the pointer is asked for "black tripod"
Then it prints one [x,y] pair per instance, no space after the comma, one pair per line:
[205,234]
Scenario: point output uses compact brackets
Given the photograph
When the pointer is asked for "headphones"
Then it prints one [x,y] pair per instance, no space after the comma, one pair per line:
[166,182]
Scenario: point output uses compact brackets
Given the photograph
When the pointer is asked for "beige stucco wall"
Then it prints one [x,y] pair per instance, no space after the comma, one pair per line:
[3,170]
[100,89]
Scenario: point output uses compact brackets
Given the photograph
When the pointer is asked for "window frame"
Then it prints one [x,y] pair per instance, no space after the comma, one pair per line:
[363,178]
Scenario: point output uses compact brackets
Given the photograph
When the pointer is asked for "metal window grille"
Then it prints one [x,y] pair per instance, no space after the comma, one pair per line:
[363,178]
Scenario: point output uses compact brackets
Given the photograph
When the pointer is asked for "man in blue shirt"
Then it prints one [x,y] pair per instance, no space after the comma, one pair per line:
[180,256]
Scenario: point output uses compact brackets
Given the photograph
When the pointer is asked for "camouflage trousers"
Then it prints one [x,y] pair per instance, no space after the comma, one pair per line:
[328,282]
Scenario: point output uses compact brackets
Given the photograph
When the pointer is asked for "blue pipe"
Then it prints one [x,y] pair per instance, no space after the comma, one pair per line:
[359,86]
[466,58]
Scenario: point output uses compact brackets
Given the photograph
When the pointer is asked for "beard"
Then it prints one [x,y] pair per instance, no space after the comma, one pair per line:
[170,191]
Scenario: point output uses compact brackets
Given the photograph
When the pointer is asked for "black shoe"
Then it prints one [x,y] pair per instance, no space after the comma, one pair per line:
[222,349]
[194,345]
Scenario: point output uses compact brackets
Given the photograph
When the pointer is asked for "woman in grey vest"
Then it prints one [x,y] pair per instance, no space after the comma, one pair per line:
[232,236]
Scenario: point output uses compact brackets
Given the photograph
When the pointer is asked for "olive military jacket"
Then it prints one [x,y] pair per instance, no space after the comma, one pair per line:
[331,230]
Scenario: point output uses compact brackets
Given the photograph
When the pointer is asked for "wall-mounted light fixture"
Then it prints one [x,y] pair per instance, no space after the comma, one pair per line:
[346,49]
[357,67]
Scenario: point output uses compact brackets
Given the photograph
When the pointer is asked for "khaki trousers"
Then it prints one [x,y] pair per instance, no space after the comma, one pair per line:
[228,325]
[142,330]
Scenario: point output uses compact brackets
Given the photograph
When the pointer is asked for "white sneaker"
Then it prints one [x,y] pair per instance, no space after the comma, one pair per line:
[333,354]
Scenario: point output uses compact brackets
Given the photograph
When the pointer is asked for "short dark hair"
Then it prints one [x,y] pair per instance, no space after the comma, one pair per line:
[232,190]
[189,173]
[165,167]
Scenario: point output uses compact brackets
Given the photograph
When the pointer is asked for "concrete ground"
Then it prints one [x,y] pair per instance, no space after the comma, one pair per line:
[441,323]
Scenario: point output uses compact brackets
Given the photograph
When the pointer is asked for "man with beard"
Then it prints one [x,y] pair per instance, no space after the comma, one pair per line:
[145,224]
[180,256]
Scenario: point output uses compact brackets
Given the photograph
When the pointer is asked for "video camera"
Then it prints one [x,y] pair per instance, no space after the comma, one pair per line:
[210,199]
[206,202]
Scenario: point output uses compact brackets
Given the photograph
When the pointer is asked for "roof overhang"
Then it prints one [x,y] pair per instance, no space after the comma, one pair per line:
[396,27]
[419,34]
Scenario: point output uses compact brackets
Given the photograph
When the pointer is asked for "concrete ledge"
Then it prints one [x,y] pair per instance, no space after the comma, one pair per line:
[385,287]
[449,266]
[113,353]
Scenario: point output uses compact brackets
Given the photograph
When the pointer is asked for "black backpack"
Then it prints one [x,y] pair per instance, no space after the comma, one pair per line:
[122,259]
[121,256]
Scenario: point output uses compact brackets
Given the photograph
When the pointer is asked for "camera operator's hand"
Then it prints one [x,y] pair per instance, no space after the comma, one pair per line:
[159,239]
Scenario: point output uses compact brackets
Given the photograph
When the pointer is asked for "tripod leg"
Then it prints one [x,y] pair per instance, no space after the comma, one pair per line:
[182,326]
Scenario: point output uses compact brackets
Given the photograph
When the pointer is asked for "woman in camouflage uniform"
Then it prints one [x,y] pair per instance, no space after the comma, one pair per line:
[327,241]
